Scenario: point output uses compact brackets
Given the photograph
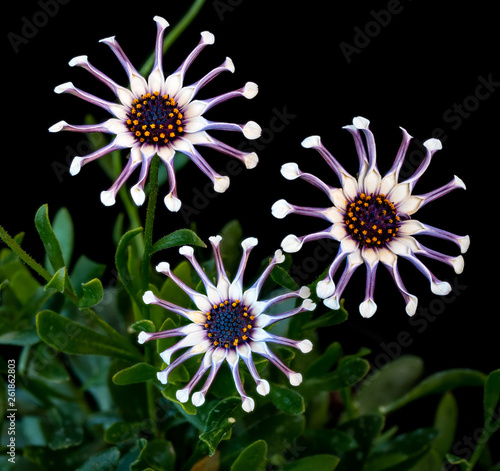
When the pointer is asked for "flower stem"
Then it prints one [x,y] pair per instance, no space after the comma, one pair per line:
[148,227]
[23,255]
[146,261]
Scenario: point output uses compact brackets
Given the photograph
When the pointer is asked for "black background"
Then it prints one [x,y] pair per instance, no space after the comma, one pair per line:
[317,67]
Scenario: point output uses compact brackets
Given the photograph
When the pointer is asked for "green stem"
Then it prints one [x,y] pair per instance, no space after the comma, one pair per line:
[23,255]
[148,227]
[146,260]
[174,34]
[486,434]
[153,195]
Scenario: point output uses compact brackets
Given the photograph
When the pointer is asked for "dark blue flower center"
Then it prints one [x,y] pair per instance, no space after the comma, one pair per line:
[155,119]
[371,220]
[228,324]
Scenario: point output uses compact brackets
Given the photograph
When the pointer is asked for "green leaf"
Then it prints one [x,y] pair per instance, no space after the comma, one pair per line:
[93,292]
[445,422]
[85,270]
[144,325]
[452,459]
[121,261]
[138,373]
[169,392]
[438,383]
[68,336]
[389,383]
[252,458]
[349,372]
[64,431]
[3,285]
[431,461]
[157,455]
[328,319]
[364,429]
[64,231]
[287,400]
[44,366]
[491,395]
[326,361]
[280,432]
[322,462]
[49,239]
[58,281]
[220,422]
[106,460]
[283,278]
[120,432]
[402,452]
[176,238]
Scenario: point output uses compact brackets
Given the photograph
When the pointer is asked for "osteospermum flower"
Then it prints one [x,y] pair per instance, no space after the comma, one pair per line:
[228,324]
[371,218]
[159,116]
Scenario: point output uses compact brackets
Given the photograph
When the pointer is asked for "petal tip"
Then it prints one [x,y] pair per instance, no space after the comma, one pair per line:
[108,197]
[148,297]
[311,142]
[281,209]
[250,90]
[291,243]
[290,171]
[360,123]
[252,130]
